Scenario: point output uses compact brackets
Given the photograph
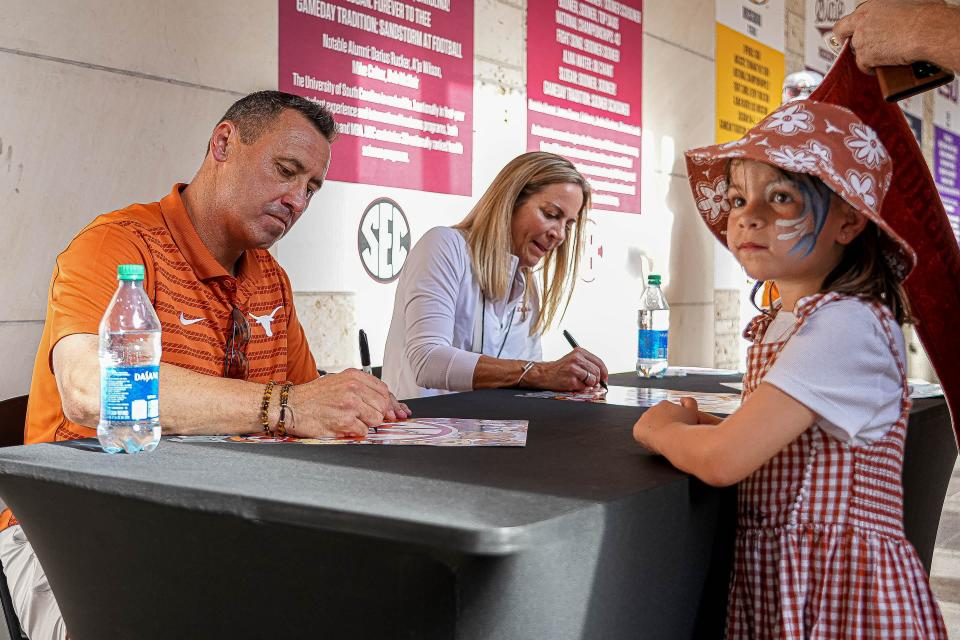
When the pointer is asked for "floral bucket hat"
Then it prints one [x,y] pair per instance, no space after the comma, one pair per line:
[815,138]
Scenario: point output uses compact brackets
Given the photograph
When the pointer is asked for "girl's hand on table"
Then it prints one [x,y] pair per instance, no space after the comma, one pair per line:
[660,415]
[702,418]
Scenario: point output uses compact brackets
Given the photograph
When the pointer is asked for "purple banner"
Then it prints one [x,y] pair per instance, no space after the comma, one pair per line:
[946,152]
[916,124]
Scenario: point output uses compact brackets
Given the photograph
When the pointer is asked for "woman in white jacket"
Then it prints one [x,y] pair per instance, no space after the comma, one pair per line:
[469,309]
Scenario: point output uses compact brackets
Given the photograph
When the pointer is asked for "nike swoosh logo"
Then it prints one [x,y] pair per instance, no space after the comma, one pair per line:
[184,321]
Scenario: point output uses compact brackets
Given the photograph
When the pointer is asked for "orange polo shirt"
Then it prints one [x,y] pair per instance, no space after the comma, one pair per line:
[191,292]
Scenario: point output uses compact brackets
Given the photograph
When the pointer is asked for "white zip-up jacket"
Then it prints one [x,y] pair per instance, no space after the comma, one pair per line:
[442,324]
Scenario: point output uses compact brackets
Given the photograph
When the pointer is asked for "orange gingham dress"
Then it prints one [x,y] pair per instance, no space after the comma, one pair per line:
[820,551]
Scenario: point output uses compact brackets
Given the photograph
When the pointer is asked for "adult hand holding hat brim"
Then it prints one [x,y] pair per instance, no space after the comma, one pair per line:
[913,209]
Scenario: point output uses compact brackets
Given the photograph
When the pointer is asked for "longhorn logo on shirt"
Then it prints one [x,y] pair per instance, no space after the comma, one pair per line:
[383,240]
[266,321]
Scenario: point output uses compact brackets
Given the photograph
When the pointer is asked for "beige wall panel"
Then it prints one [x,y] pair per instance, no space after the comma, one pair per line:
[678,108]
[692,248]
[18,341]
[76,143]
[329,320]
[794,32]
[230,45]
[499,30]
[677,115]
[499,121]
[689,24]
[727,329]
[691,335]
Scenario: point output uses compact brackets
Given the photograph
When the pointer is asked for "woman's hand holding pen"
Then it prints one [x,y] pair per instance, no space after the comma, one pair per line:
[577,371]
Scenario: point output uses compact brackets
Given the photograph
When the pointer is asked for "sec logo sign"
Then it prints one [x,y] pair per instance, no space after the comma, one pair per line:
[383,239]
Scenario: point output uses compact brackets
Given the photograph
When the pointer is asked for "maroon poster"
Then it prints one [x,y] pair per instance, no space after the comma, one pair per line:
[399,79]
[583,83]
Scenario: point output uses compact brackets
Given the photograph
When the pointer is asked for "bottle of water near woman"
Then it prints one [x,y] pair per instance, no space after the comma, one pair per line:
[653,322]
[129,368]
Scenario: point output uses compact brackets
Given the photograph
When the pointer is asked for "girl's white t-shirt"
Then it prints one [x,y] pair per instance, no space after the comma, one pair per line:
[839,365]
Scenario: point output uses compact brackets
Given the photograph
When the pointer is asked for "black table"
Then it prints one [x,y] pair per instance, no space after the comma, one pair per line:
[581,534]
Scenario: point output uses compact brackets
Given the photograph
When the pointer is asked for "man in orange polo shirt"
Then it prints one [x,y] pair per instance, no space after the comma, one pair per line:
[225,306]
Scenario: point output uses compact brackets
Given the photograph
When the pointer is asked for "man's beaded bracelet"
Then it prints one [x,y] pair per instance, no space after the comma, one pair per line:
[265,407]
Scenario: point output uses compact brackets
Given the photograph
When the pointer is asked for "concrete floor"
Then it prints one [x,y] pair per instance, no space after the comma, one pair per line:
[945,572]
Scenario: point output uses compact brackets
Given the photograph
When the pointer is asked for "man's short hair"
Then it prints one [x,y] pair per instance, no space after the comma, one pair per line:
[255,113]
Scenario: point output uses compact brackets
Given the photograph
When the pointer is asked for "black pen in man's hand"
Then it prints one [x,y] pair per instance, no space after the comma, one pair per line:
[365,362]
[364,353]
[573,343]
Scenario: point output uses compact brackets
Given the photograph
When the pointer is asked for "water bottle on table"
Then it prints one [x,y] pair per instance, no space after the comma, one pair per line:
[653,322]
[129,368]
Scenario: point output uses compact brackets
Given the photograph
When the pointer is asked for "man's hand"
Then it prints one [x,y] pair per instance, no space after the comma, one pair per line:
[576,371]
[343,404]
[192,403]
[891,32]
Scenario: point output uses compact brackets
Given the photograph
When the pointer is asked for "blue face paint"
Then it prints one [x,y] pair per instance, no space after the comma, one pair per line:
[816,199]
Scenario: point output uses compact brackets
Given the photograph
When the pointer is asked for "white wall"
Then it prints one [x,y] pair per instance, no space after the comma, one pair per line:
[678,65]
[104,104]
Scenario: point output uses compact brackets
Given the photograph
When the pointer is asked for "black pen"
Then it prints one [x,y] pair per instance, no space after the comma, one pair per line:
[364,353]
[365,361]
[573,343]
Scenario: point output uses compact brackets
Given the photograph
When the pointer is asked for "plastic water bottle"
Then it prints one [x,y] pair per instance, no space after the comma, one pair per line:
[653,322]
[129,368]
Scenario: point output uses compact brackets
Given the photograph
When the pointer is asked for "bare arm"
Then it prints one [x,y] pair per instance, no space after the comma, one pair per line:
[724,453]
[897,32]
[194,403]
[576,371]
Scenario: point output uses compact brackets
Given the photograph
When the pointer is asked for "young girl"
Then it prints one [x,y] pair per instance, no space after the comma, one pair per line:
[817,444]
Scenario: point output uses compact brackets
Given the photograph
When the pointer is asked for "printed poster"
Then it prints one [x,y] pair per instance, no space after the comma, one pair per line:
[433,432]
[584,73]
[722,403]
[819,18]
[750,63]
[946,148]
[398,76]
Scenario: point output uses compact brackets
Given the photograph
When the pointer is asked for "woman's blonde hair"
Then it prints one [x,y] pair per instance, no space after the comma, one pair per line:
[489,235]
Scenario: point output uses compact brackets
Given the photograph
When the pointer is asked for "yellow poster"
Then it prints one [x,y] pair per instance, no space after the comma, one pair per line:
[749,82]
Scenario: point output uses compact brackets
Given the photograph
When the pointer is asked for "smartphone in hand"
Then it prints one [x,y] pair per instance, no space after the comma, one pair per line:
[903,81]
